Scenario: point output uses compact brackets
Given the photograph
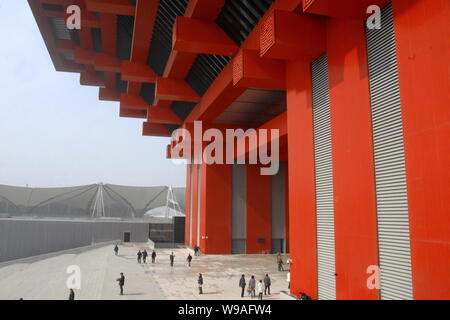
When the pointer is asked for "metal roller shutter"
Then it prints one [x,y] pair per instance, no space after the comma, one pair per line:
[390,176]
[324,180]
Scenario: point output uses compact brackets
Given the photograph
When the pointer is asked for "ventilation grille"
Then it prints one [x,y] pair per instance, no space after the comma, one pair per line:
[239,17]
[324,180]
[204,71]
[390,174]
[161,44]
[60,28]
[125,25]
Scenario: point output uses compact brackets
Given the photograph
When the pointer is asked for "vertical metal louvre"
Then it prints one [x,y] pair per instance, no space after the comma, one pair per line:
[324,180]
[390,175]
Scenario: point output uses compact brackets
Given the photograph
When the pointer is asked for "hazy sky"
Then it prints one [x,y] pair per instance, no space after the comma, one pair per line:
[54,132]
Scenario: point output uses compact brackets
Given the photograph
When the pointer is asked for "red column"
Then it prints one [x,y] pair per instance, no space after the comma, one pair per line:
[422,34]
[286,214]
[188,205]
[353,165]
[216,200]
[302,211]
[195,203]
[259,211]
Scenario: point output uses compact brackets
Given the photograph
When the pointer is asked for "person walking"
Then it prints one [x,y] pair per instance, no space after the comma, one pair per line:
[280,262]
[200,283]
[196,250]
[267,284]
[116,249]
[242,284]
[153,256]
[121,281]
[71,295]
[139,256]
[189,259]
[260,289]
[172,258]
[144,256]
[288,279]
[252,286]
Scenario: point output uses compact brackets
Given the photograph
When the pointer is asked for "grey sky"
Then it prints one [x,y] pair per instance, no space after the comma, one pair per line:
[54,132]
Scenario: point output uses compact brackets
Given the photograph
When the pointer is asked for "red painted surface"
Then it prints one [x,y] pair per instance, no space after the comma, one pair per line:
[353,166]
[422,34]
[259,211]
[216,203]
[188,205]
[302,211]
[195,204]
[286,203]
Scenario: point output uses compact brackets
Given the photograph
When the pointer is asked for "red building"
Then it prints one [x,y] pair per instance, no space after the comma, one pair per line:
[363,115]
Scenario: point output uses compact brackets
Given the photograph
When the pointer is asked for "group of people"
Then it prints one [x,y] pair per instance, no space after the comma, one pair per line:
[263,286]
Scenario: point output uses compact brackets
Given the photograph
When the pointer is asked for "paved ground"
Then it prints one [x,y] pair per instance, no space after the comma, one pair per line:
[46,279]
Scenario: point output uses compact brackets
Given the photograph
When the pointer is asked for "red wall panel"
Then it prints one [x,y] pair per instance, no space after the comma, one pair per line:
[353,165]
[302,211]
[188,204]
[423,50]
[259,210]
[195,204]
[216,208]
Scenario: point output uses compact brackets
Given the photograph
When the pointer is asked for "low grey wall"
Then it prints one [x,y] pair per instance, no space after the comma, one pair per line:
[26,238]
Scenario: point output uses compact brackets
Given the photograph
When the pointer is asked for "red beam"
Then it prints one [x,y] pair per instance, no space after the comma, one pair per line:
[88,78]
[251,71]
[355,9]
[290,36]
[104,62]
[155,129]
[200,36]
[107,94]
[175,90]
[162,115]
[119,7]
[132,113]
[128,101]
[138,72]
[146,11]
[84,56]
[65,46]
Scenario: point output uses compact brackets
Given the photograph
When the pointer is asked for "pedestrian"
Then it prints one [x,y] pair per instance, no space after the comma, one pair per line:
[280,262]
[71,295]
[267,284]
[153,256]
[121,281]
[260,289]
[172,258]
[288,279]
[116,249]
[189,259]
[144,256]
[252,285]
[139,256]
[242,284]
[200,283]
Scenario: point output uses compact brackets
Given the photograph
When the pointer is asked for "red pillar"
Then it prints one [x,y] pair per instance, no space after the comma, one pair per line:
[259,211]
[422,34]
[188,205]
[216,203]
[195,203]
[302,211]
[353,166]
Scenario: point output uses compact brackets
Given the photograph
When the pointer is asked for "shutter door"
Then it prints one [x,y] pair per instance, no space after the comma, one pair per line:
[390,176]
[324,180]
